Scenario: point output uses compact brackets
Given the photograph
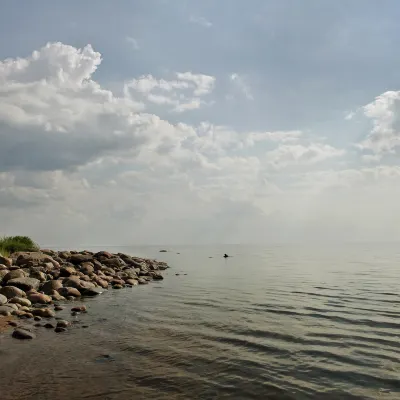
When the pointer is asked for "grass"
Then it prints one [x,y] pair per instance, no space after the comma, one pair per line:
[11,244]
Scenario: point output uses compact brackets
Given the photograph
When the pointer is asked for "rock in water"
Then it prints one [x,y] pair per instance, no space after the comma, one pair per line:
[21,301]
[22,334]
[62,323]
[25,283]
[49,286]
[39,298]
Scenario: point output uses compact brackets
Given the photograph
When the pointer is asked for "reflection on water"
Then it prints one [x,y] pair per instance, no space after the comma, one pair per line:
[269,323]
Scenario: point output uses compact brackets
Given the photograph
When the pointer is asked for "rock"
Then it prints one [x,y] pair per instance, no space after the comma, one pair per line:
[3,299]
[12,291]
[62,323]
[44,312]
[67,271]
[39,275]
[6,310]
[13,323]
[57,296]
[80,258]
[22,334]
[37,318]
[117,286]
[5,261]
[163,251]
[69,291]
[25,283]
[142,281]
[157,276]
[26,315]
[132,282]
[60,329]
[91,292]
[58,308]
[105,254]
[87,268]
[79,309]
[18,273]
[3,273]
[21,301]
[49,326]
[49,286]
[32,258]
[65,255]
[39,298]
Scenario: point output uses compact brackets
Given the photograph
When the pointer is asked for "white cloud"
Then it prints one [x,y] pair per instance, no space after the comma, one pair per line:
[286,155]
[200,21]
[133,43]
[384,112]
[241,84]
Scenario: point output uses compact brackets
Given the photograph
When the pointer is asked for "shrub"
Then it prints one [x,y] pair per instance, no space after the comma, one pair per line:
[11,244]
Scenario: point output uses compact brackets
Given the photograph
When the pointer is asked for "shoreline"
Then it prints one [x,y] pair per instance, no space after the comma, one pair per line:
[34,286]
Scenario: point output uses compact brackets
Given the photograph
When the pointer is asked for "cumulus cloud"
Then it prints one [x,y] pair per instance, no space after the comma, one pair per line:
[106,168]
[384,112]
[183,93]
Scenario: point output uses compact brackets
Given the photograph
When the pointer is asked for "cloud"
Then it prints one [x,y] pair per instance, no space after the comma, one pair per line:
[182,93]
[384,112]
[200,21]
[133,43]
[297,154]
[241,84]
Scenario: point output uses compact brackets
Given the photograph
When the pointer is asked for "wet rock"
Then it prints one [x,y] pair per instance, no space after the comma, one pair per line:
[32,258]
[132,282]
[60,329]
[13,323]
[157,276]
[69,292]
[12,291]
[87,268]
[142,281]
[26,315]
[91,292]
[117,286]
[49,326]
[62,323]
[21,301]
[79,309]
[163,251]
[6,311]
[57,296]
[37,318]
[105,254]
[39,275]
[49,286]
[58,308]
[39,298]
[18,273]
[25,283]
[3,299]
[23,334]
[44,312]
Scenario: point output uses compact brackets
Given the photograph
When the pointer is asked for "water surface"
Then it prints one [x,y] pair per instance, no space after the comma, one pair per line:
[278,322]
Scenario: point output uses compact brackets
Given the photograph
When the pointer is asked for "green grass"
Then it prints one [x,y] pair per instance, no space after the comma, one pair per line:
[11,244]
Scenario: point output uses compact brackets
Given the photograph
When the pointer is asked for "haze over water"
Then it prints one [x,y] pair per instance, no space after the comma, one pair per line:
[282,322]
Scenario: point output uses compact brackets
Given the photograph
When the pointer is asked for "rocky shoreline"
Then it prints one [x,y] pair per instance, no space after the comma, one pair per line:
[35,285]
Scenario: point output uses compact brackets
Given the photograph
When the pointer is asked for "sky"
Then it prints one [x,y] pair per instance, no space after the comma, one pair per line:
[188,122]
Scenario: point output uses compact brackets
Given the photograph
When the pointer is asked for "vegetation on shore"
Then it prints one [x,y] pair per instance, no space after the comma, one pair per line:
[11,244]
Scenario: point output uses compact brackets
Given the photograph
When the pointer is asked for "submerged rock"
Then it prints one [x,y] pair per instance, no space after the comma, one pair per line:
[20,333]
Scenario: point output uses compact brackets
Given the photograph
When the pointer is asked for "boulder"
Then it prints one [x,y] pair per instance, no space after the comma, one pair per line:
[3,299]
[21,301]
[44,312]
[12,291]
[91,292]
[60,329]
[65,255]
[39,298]
[80,258]
[49,286]
[157,276]
[25,283]
[142,281]
[69,291]
[56,296]
[67,271]
[32,258]
[105,254]
[5,261]
[23,334]
[87,268]
[132,282]
[6,310]
[18,273]
[39,275]
[3,273]
[62,323]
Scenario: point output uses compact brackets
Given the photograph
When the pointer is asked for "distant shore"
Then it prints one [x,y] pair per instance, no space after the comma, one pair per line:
[35,285]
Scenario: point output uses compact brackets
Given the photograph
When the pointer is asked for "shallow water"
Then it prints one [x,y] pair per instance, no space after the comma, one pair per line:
[282,322]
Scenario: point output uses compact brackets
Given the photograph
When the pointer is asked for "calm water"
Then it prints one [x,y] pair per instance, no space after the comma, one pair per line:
[283,322]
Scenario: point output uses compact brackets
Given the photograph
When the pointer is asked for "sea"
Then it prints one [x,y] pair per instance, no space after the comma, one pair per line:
[270,322]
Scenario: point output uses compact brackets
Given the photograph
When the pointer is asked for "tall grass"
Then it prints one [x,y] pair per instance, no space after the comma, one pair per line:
[11,244]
